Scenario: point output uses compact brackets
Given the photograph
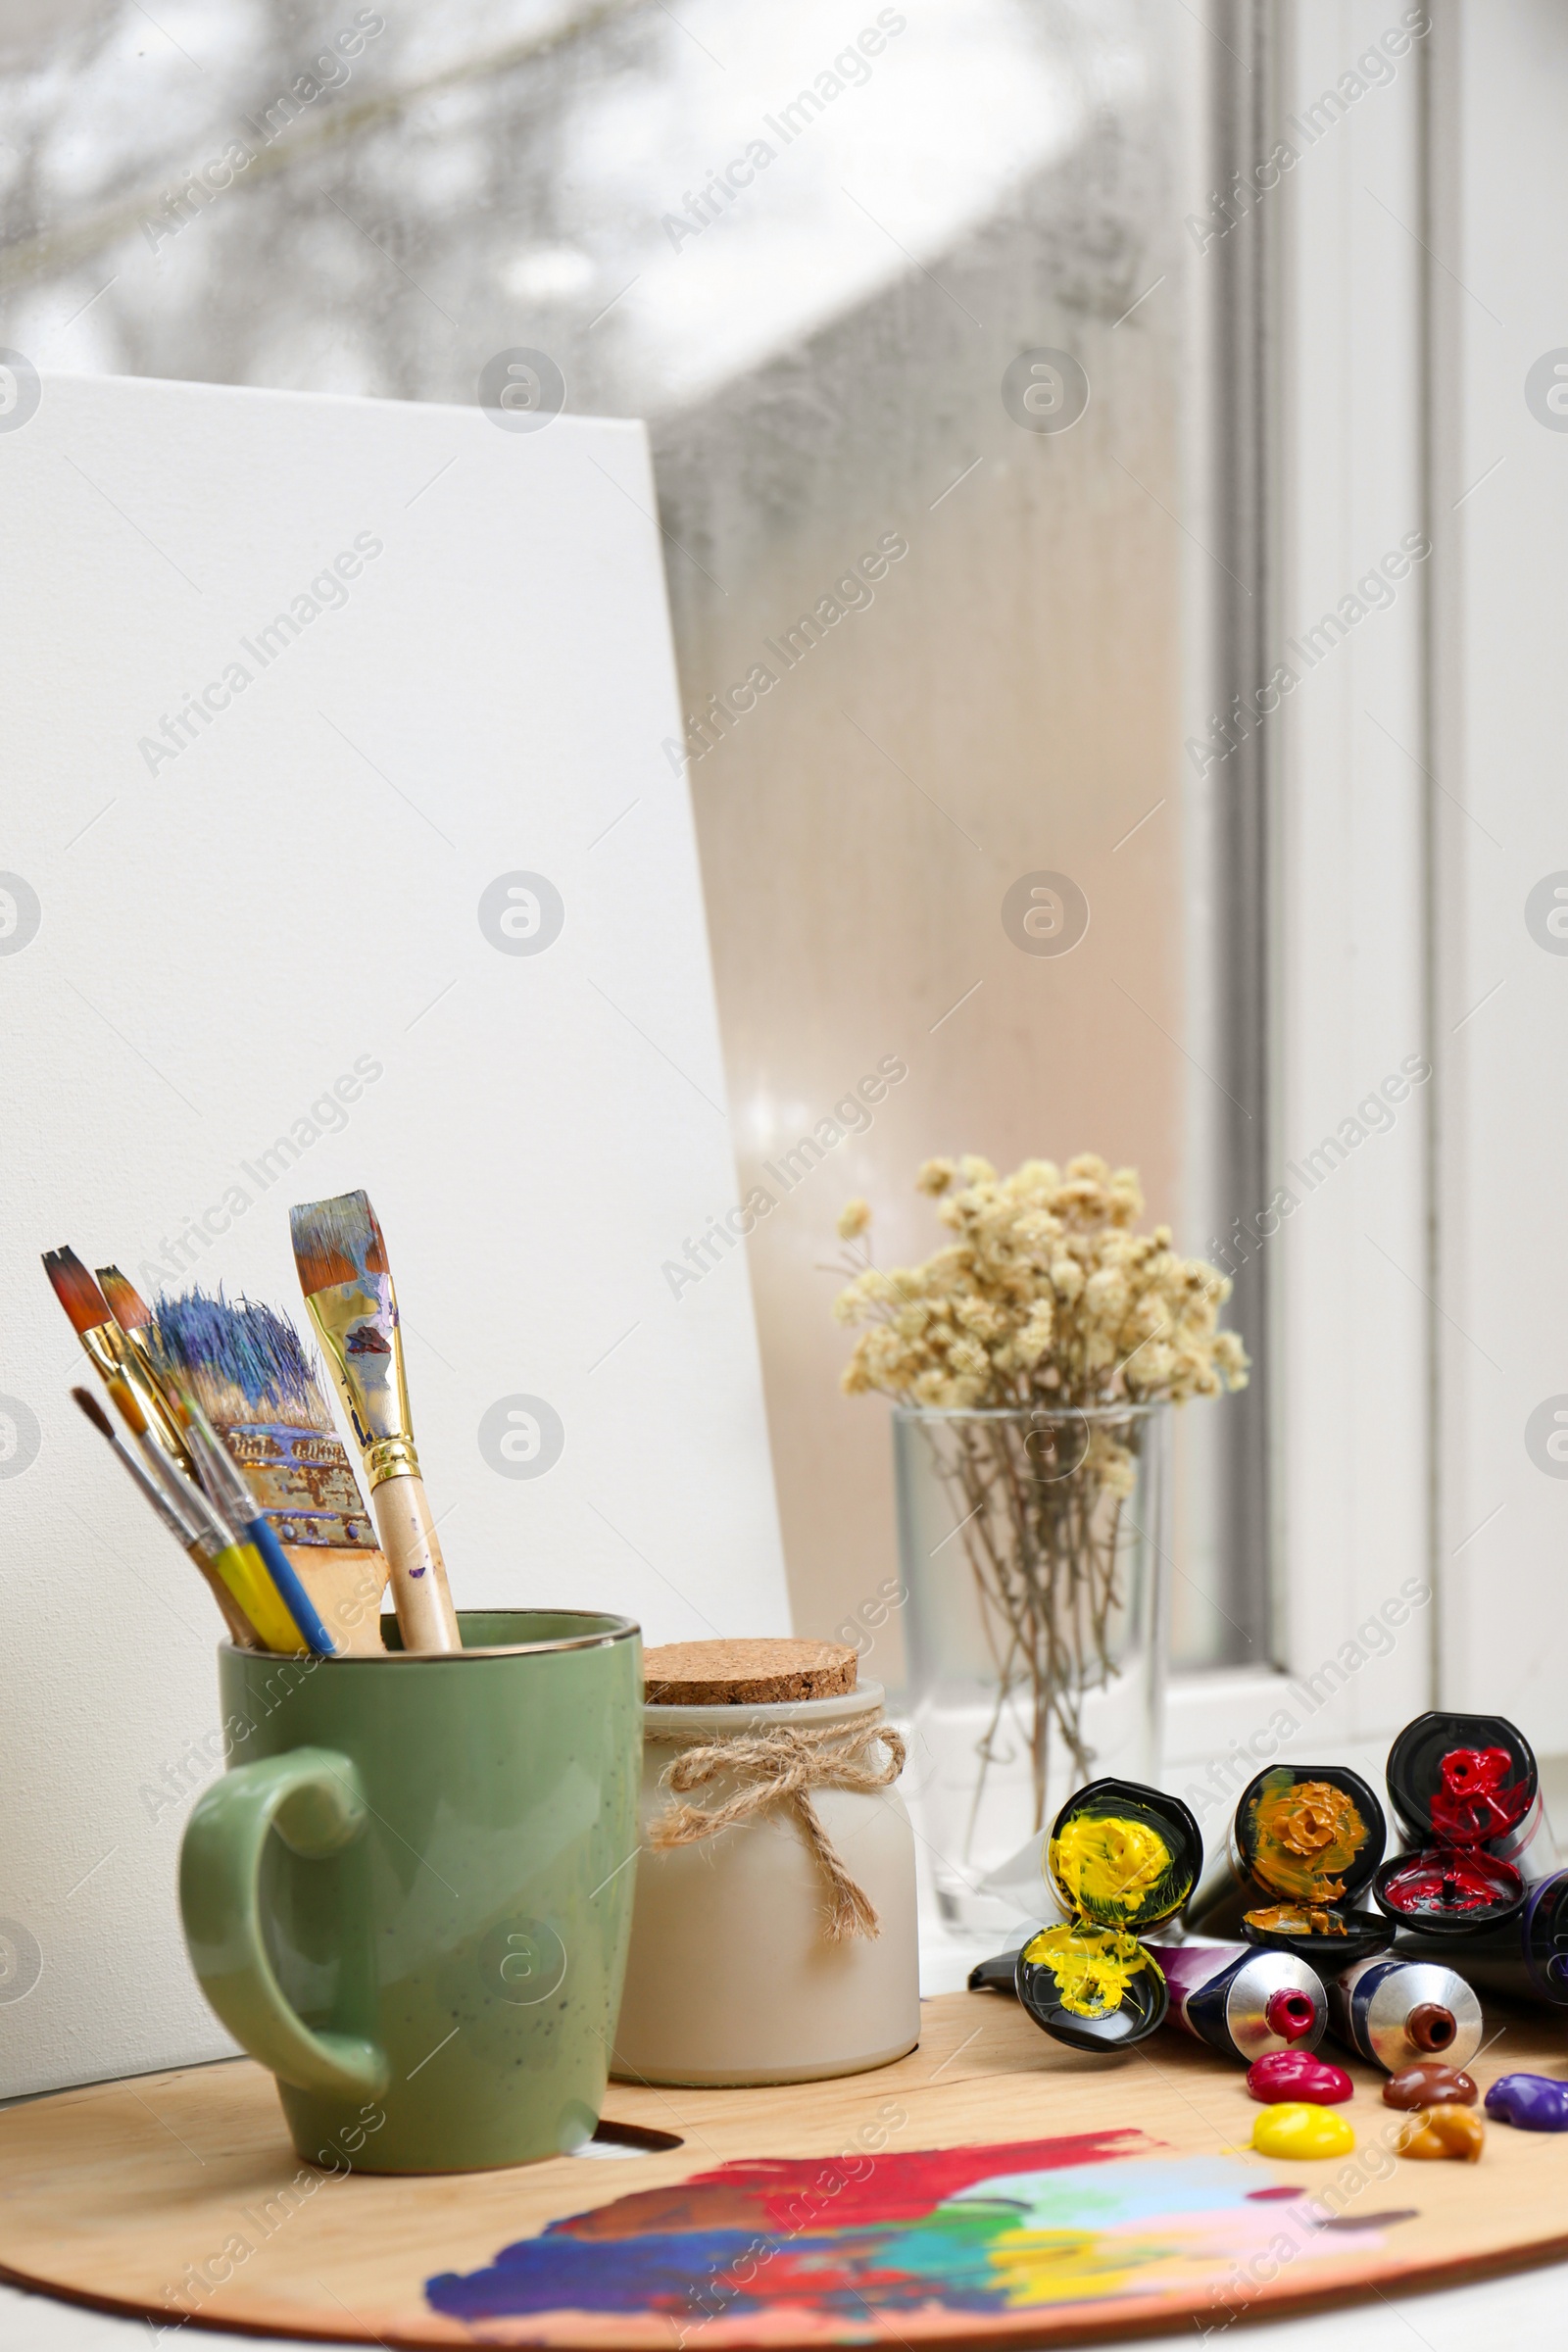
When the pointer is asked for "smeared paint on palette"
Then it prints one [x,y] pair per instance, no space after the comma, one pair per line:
[752,2249]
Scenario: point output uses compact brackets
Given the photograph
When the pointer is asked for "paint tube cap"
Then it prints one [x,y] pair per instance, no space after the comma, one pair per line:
[1094,1989]
[1449,1890]
[1308,1833]
[1327,1939]
[1123,1856]
[1545,1932]
[1461,1780]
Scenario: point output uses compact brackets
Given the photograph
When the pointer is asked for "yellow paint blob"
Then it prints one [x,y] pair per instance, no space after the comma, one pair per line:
[1093,1967]
[1295,2130]
[1108,1867]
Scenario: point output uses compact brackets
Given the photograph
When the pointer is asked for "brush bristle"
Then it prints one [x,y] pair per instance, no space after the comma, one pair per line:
[76,1290]
[87,1402]
[126,1305]
[245,1361]
[336,1241]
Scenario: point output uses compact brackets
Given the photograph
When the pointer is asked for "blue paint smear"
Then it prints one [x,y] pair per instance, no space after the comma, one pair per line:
[690,2273]
[242,1341]
[584,2274]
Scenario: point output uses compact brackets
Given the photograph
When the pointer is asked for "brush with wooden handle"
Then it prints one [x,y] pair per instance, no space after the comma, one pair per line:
[136,1395]
[347,1282]
[259,1390]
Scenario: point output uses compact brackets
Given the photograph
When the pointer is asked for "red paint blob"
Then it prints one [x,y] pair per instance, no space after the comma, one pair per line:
[1450,1882]
[1298,2075]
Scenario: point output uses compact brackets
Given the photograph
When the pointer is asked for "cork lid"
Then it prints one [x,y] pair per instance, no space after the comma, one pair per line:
[765,1672]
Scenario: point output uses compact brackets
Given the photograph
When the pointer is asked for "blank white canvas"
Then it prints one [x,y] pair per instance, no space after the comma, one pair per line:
[292,899]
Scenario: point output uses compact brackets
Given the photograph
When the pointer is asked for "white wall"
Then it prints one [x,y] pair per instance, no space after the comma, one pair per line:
[220,940]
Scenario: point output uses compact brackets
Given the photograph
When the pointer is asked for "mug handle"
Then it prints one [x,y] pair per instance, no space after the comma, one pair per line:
[313,1797]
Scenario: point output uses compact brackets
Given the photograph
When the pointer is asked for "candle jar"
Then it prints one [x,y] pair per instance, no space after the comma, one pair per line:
[736,1974]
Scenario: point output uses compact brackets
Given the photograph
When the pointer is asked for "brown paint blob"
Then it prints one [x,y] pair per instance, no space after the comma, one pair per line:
[1428,2086]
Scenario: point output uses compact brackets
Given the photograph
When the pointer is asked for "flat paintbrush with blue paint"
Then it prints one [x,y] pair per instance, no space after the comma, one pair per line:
[246,1367]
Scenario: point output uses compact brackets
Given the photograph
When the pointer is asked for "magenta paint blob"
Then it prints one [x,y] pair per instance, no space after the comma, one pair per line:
[1298,2075]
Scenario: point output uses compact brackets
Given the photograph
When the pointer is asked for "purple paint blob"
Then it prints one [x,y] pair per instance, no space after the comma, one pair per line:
[1529,2102]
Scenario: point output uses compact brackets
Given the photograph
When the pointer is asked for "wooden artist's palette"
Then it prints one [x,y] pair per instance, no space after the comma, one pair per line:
[990,2188]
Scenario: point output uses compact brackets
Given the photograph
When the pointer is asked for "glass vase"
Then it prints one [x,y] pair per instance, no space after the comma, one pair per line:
[1034,1549]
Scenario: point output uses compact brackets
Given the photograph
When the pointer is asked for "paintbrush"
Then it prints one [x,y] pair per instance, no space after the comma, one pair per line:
[229,1493]
[129,1383]
[185,1530]
[224,1488]
[347,1282]
[118,1363]
[135,1320]
[135,1389]
[261,1392]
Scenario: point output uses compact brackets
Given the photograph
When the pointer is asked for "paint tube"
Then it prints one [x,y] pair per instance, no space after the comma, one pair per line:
[1303,1846]
[1525,1956]
[1466,1794]
[1242,2002]
[1120,1857]
[1472,1781]
[1398,2011]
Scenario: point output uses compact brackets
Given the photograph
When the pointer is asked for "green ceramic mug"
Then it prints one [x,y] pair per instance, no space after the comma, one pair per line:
[408,1897]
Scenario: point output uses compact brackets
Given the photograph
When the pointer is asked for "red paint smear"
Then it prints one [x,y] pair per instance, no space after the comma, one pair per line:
[844,2192]
[1472,1805]
[1450,1882]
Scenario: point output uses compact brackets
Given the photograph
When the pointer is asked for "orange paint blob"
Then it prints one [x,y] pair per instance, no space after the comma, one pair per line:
[1306,1835]
[1298,1919]
[1434,2132]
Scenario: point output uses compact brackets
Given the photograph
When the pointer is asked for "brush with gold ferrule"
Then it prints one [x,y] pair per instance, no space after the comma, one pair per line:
[347,1282]
[128,1379]
[117,1357]
[261,1390]
[137,1394]
[185,1530]
[134,1317]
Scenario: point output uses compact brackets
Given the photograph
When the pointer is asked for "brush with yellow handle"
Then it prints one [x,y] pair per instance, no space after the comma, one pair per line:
[254,1610]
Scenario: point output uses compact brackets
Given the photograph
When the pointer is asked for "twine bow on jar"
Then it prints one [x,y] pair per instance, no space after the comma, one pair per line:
[781,1766]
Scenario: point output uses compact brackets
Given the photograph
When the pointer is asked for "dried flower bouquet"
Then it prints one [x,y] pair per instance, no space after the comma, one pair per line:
[1049,1328]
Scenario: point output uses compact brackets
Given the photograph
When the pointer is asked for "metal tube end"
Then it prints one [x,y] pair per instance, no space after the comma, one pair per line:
[1431,2027]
